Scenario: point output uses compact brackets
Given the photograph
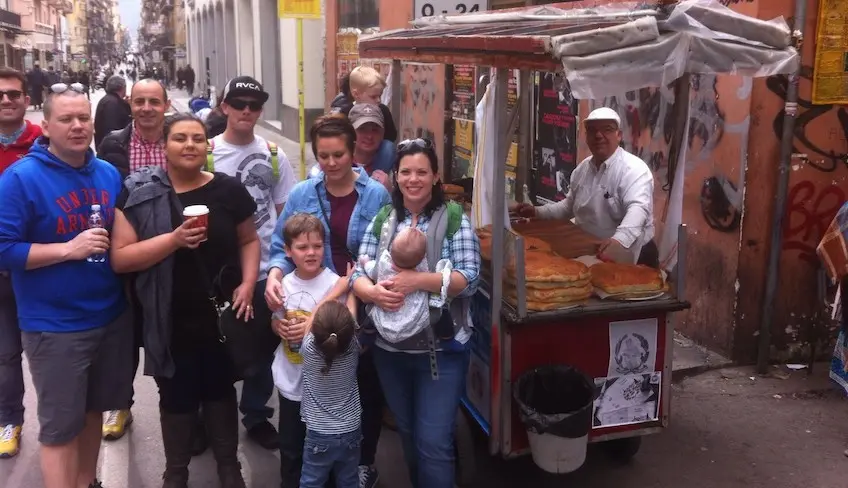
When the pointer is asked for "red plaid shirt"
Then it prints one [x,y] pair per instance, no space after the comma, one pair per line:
[143,153]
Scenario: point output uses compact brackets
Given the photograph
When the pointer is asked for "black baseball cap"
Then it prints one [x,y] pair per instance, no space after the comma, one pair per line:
[244,86]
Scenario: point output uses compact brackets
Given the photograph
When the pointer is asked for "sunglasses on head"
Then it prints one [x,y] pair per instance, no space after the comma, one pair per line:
[239,104]
[414,143]
[63,87]
[12,94]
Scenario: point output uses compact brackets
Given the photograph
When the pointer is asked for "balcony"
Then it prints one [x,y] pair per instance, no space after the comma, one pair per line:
[10,21]
[43,28]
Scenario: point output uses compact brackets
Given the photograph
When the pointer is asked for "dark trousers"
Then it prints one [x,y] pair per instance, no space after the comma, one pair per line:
[292,435]
[371,397]
[202,374]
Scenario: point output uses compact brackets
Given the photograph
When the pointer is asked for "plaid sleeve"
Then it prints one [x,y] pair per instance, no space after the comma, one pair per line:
[368,247]
[464,249]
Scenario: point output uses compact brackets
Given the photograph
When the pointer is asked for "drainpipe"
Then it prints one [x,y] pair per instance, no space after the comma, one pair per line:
[790,109]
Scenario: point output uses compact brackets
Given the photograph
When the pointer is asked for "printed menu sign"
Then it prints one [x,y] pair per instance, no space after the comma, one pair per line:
[556,137]
[830,73]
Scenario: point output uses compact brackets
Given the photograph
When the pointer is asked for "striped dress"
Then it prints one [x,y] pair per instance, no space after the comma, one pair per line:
[330,402]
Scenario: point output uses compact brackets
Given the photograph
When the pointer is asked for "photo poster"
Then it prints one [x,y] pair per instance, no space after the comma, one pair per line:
[626,400]
[463,149]
[630,392]
[512,155]
[556,137]
[464,92]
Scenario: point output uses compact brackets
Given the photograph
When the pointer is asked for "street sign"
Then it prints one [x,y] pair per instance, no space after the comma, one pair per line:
[155,56]
[300,9]
[429,8]
[179,52]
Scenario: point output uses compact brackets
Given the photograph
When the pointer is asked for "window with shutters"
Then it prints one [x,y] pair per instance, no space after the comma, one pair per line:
[360,14]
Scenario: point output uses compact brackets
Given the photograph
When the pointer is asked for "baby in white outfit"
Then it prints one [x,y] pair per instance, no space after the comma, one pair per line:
[408,253]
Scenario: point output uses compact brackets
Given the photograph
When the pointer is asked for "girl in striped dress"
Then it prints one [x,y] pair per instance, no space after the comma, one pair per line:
[330,405]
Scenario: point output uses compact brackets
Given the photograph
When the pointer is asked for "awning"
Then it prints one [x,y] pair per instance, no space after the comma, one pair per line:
[603,50]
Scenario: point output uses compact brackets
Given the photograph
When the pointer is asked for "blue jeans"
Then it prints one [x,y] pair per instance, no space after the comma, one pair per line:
[331,453]
[425,410]
[257,390]
[11,374]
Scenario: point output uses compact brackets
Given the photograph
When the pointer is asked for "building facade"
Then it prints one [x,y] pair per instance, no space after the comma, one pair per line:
[162,34]
[11,34]
[227,38]
[732,169]
[78,35]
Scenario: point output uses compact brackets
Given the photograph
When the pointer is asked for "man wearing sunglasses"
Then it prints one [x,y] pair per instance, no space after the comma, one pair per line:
[267,174]
[16,137]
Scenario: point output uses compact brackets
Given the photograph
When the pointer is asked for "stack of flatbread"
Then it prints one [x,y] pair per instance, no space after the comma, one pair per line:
[552,281]
[530,243]
[625,279]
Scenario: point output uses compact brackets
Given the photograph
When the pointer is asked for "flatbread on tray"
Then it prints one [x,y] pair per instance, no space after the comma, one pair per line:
[512,281]
[554,294]
[617,278]
[547,267]
[545,306]
[530,244]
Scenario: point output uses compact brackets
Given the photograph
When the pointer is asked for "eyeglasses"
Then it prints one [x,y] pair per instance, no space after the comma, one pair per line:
[419,143]
[240,104]
[63,87]
[12,94]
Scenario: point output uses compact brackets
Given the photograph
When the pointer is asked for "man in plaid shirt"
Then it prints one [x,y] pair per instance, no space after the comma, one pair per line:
[139,144]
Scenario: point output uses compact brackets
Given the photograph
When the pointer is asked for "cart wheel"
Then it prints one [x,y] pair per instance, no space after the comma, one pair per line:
[466,452]
[622,450]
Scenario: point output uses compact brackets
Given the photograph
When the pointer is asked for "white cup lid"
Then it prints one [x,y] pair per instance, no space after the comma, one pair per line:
[195,210]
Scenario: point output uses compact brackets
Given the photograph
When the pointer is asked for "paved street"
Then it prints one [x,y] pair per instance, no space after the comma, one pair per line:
[727,431]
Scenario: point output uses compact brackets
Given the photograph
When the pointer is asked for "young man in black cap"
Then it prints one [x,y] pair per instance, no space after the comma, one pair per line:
[267,175]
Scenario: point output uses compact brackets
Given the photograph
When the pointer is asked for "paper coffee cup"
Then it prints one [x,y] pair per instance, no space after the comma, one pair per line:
[201,213]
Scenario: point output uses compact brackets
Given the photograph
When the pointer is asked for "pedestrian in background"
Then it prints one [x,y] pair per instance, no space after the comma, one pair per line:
[113,112]
[77,339]
[16,137]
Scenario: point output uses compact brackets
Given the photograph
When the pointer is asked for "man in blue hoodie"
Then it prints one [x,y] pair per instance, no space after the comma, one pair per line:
[76,327]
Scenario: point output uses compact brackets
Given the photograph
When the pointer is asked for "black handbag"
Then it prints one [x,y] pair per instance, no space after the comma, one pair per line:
[250,345]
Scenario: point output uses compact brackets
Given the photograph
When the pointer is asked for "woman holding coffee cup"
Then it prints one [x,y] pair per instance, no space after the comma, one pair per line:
[176,231]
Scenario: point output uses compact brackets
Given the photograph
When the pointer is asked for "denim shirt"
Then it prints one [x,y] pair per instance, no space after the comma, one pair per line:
[303,198]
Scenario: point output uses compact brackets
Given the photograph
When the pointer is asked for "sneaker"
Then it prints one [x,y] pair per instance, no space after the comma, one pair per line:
[368,477]
[10,441]
[116,423]
[265,435]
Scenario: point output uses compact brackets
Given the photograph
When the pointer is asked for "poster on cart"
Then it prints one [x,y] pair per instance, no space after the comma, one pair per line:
[556,144]
[632,347]
[626,400]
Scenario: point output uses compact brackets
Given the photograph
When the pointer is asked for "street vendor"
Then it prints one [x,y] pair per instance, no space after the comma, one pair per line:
[610,195]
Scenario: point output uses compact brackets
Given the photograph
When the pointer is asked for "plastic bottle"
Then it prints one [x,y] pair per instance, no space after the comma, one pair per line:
[292,346]
[95,221]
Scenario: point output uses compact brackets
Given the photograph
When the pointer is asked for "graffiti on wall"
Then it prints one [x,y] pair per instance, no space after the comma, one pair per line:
[809,211]
[647,125]
[813,143]
[419,101]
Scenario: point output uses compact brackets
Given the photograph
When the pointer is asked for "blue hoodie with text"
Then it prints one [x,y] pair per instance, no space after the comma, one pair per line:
[47,201]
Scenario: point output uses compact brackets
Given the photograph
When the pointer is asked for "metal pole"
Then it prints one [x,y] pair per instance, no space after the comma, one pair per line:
[779,211]
[208,80]
[301,104]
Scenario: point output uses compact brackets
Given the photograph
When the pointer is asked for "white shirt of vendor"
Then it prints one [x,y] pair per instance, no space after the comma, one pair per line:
[612,200]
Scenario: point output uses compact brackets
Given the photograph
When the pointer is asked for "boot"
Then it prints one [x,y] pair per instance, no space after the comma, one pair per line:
[199,443]
[221,420]
[177,433]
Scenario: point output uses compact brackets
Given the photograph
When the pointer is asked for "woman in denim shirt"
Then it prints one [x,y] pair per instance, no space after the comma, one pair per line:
[346,200]
[424,407]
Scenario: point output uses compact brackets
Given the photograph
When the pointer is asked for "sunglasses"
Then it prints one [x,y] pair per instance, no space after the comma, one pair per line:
[418,143]
[63,87]
[12,94]
[239,104]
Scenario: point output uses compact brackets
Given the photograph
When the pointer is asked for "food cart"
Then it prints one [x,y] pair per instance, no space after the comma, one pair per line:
[602,51]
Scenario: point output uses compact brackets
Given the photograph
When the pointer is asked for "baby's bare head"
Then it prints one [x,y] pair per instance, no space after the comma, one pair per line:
[409,248]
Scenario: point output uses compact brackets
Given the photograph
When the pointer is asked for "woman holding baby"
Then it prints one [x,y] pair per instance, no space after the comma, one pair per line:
[424,399]
[345,199]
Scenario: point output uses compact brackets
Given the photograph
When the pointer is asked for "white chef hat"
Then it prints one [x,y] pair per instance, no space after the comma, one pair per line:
[604,113]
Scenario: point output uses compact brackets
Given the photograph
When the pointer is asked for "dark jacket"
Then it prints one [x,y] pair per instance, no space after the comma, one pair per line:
[149,208]
[341,103]
[391,133]
[115,149]
[113,113]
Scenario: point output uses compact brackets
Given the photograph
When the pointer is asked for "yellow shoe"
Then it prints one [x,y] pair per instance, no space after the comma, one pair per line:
[116,423]
[10,441]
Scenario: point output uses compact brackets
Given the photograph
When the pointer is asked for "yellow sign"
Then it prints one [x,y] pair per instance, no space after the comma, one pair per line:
[830,74]
[302,9]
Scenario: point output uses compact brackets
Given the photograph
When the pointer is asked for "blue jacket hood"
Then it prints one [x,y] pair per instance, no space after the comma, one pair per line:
[40,151]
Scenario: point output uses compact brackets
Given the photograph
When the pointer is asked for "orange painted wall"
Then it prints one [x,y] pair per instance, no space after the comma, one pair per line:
[816,190]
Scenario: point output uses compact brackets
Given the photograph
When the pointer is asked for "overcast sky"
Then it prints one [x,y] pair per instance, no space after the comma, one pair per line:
[130,14]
